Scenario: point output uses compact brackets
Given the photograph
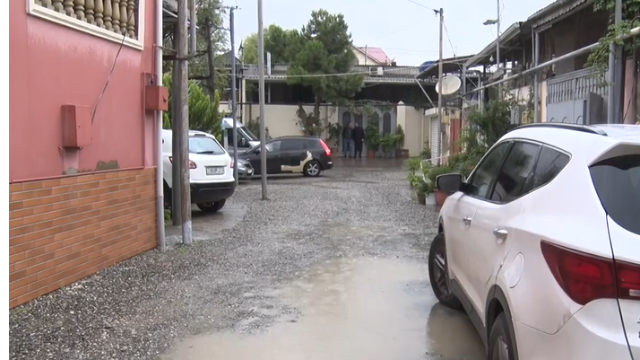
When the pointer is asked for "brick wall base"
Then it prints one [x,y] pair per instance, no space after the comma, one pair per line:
[62,230]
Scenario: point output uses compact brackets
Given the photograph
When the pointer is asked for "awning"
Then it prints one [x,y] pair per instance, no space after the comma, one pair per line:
[507,38]
[450,65]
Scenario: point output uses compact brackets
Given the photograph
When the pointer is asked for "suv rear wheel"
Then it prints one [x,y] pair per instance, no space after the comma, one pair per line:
[211,207]
[500,343]
[312,168]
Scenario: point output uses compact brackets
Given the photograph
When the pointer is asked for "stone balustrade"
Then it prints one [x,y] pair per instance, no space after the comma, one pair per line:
[118,16]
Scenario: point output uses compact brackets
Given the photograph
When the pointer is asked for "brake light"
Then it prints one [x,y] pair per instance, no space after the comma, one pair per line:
[192,165]
[325,147]
[585,277]
[231,164]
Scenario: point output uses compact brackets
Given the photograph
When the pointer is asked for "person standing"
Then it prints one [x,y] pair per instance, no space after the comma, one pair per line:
[358,140]
[346,140]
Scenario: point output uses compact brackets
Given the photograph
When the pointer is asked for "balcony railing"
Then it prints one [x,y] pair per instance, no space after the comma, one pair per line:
[117,16]
[572,86]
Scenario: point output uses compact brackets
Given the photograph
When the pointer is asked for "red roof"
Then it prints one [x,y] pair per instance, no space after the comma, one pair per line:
[376,54]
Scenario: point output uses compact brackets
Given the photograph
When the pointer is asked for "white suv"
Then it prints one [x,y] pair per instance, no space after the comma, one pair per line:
[211,171]
[541,245]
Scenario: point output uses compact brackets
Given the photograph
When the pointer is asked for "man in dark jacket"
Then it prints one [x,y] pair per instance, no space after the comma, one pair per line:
[358,140]
[346,140]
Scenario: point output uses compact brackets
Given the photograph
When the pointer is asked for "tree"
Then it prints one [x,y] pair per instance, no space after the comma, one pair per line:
[203,113]
[198,67]
[322,47]
[277,41]
[599,56]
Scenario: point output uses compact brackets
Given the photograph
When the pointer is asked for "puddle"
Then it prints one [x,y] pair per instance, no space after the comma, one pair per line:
[351,309]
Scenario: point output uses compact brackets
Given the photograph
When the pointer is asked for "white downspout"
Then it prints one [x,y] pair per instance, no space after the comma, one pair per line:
[159,179]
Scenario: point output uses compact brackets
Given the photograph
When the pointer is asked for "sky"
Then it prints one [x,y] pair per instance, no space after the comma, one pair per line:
[406,31]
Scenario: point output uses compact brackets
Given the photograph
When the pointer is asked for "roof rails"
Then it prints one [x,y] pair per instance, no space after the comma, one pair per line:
[565,126]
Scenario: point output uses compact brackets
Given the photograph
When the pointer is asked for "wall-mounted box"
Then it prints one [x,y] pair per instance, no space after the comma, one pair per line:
[156,98]
[76,126]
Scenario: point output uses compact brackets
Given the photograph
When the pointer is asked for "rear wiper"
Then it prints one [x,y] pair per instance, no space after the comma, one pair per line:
[206,152]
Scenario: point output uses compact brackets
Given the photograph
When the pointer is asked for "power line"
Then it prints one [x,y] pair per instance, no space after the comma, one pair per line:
[424,6]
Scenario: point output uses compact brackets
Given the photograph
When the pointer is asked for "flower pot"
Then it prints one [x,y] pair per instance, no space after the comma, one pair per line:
[371,154]
[430,199]
[421,198]
[440,197]
[402,153]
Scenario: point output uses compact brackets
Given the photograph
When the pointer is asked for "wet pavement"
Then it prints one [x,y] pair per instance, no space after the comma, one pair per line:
[329,268]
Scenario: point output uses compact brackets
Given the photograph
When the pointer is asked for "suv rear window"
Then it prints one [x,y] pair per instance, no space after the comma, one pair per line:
[204,145]
[617,182]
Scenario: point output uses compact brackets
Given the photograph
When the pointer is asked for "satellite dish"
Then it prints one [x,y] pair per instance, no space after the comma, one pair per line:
[450,84]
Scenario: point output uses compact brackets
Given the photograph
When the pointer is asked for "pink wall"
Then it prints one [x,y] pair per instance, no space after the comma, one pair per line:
[52,65]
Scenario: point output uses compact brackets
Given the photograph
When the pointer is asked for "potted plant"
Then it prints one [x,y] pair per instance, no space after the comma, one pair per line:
[431,173]
[387,141]
[400,151]
[372,139]
[423,188]
[334,131]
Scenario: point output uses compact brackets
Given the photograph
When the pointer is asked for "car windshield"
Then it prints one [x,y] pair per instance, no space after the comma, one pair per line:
[204,145]
[246,133]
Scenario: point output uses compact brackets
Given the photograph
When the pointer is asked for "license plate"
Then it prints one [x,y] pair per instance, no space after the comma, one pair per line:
[215,170]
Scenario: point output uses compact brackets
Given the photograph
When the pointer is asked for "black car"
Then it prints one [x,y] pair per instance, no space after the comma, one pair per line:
[292,154]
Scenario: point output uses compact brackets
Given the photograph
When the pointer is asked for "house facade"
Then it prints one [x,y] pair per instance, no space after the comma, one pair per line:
[81,162]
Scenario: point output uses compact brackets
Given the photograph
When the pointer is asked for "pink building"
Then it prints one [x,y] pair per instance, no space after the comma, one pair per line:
[82,139]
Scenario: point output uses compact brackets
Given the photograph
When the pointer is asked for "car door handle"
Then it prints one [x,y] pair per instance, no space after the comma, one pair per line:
[500,234]
[466,220]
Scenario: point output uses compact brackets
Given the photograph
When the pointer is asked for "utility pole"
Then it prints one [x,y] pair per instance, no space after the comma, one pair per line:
[263,137]
[181,91]
[176,215]
[440,75]
[615,73]
[498,45]
[234,78]
[210,65]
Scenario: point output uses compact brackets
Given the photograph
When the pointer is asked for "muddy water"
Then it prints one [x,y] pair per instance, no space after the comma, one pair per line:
[351,309]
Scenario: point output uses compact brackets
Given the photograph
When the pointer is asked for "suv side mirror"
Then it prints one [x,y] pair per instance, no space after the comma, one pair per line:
[449,183]
[257,151]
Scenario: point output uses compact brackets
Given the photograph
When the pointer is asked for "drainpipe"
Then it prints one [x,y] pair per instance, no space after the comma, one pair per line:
[159,179]
[536,77]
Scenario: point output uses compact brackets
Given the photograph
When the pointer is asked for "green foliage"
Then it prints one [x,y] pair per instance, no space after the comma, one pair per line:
[399,137]
[372,136]
[413,165]
[324,46]
[254,127]
[203,113]
[599,56]
[432,172]
[334,130]
[485,128]
[279,42]
[426,151]
[310,125]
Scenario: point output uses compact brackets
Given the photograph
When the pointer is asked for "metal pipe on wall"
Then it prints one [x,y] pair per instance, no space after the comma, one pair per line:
[192,28]
[159,173]
[536,78]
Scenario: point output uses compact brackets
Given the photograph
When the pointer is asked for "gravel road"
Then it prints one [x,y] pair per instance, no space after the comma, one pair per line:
[140,308]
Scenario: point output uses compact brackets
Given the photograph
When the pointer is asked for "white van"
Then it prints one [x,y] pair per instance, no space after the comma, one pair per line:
[246,139]
[211,171]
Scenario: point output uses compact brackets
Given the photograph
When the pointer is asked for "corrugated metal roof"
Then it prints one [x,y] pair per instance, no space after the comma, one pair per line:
[555,10]
[511,32]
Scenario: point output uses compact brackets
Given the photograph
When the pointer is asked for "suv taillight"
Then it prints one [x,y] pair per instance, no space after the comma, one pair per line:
[585,277]
[231,164]
[325,147]
[192,165]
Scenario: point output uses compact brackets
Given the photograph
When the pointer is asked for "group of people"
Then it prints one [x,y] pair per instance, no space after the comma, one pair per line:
[353,133]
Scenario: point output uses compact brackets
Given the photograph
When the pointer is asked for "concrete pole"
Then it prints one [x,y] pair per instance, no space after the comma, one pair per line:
[615,73]
[263,137]
[440,75]
[234,78]
[498,46]
[176,216]
[181,91]
[536,78]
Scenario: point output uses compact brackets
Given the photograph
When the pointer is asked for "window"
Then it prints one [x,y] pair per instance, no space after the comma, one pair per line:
[617,182]
[115,20]
[487,170]
[204,145]
[550,163]
[273,146]
[291,145]
[516,176]
[312,145]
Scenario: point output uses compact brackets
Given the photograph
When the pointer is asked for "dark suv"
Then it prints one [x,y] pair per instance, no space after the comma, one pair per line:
[309,156]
